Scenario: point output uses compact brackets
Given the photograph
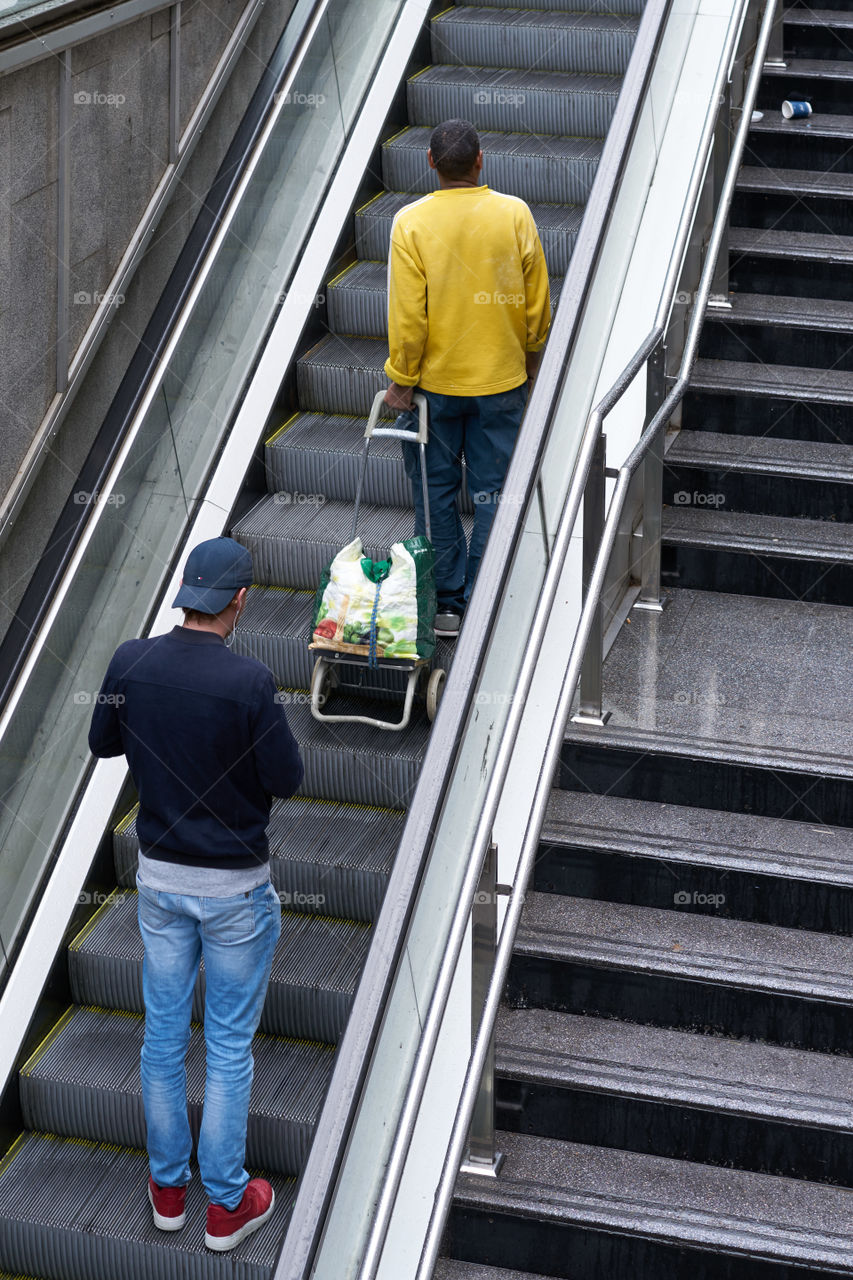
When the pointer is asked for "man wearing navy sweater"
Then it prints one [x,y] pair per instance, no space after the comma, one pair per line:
[208,746]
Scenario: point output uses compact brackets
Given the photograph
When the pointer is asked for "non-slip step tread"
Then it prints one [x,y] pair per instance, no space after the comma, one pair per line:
[708,949]
[702,837]
[548,217]
[814,68]
[802,245]
[372,277]
[84,1082]
[683,1068]
[77,1208]
[806,17]
[347,351]
[772,309]
[762,455]
[798,182]
[327,525]
[787,382]
[793,539]
[818,124]
[452,1269]
[665,1200]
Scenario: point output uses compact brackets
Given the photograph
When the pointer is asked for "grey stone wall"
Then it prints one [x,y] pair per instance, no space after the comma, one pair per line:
[120,138]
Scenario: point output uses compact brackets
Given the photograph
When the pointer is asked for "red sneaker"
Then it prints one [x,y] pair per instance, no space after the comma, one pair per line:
[168,1204]
[227,1227]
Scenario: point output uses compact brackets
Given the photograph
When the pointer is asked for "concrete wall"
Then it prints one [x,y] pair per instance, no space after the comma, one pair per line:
[119,149]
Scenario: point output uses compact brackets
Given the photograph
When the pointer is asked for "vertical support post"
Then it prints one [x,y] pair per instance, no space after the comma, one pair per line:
[174,81]
[719,294]
[63,219]
[650,596]
[776,45]
[589,706]
[482,1158]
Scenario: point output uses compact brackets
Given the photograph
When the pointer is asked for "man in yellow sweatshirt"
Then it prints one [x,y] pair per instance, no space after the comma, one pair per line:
[468,314]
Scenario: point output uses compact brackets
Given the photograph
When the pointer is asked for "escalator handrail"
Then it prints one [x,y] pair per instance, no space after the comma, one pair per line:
[352,1059]
[26,625]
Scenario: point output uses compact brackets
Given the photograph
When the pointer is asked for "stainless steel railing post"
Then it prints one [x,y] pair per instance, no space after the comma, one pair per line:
[775,45]
[482,1158]
[589,704]
[719,295]
[650,596]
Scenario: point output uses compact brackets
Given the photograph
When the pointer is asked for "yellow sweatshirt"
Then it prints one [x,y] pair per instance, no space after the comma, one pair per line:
[467,292]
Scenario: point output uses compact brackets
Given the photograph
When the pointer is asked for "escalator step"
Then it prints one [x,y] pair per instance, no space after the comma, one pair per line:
[571,6]
[358,300]
[324,856]
[290,547]
[542,102]
[475,35]
[558,226]
[315,969]
[341,374]
[83,1082]
[535,168]
[71,1209]
[321,453]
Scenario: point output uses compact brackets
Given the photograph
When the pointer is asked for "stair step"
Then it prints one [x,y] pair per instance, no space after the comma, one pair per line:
[290,547]
[750,867]
[71,1208]
[358,301]
[818,33]
[762,455]
[451,1269]
[546,102]
[475,35]
[817,125]
[807,17]
[646,964]
[799,246]
[326,857]
[535,168]
[558,226]
[824,314]
[816,540]
[788,382]
[316,967]
[83,1082]
[796,182]
[627,1213]
[820,141]
[675,1093]
[808,68]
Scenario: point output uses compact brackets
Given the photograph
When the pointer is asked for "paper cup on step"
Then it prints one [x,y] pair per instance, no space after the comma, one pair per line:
[795,110]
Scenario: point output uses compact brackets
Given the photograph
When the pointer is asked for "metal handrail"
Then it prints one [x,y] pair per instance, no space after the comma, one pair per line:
[515,903]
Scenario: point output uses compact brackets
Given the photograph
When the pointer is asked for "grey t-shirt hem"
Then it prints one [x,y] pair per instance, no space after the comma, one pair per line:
[200,882]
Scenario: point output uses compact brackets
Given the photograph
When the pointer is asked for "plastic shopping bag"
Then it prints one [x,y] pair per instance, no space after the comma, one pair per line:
[378,608]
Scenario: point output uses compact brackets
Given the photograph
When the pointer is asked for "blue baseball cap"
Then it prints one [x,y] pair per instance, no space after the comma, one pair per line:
[214,572]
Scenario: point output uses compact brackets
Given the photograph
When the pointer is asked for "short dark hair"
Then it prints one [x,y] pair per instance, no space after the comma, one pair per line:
[455,145]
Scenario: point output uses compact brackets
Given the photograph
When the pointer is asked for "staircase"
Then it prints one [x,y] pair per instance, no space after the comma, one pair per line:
[674,1053]
[73,1186]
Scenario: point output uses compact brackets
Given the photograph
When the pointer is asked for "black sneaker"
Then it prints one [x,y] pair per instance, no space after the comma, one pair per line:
[447,624]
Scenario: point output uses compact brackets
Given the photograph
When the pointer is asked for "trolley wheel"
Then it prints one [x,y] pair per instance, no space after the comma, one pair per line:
[324,678]
[435,688]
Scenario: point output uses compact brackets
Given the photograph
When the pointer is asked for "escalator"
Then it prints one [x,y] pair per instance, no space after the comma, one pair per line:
[541,84]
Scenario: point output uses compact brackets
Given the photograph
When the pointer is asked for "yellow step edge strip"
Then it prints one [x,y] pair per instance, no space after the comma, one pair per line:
[289,423]
[48,1040]
[77,941]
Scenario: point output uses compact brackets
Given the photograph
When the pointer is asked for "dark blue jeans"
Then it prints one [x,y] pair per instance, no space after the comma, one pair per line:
[484,428]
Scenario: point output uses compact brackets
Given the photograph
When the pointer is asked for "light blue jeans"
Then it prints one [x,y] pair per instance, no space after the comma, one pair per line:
[237,937]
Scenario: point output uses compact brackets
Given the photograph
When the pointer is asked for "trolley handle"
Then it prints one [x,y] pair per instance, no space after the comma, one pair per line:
[418,437]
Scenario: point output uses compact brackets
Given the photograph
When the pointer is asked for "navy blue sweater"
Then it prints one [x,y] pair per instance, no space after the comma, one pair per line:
[207,744]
